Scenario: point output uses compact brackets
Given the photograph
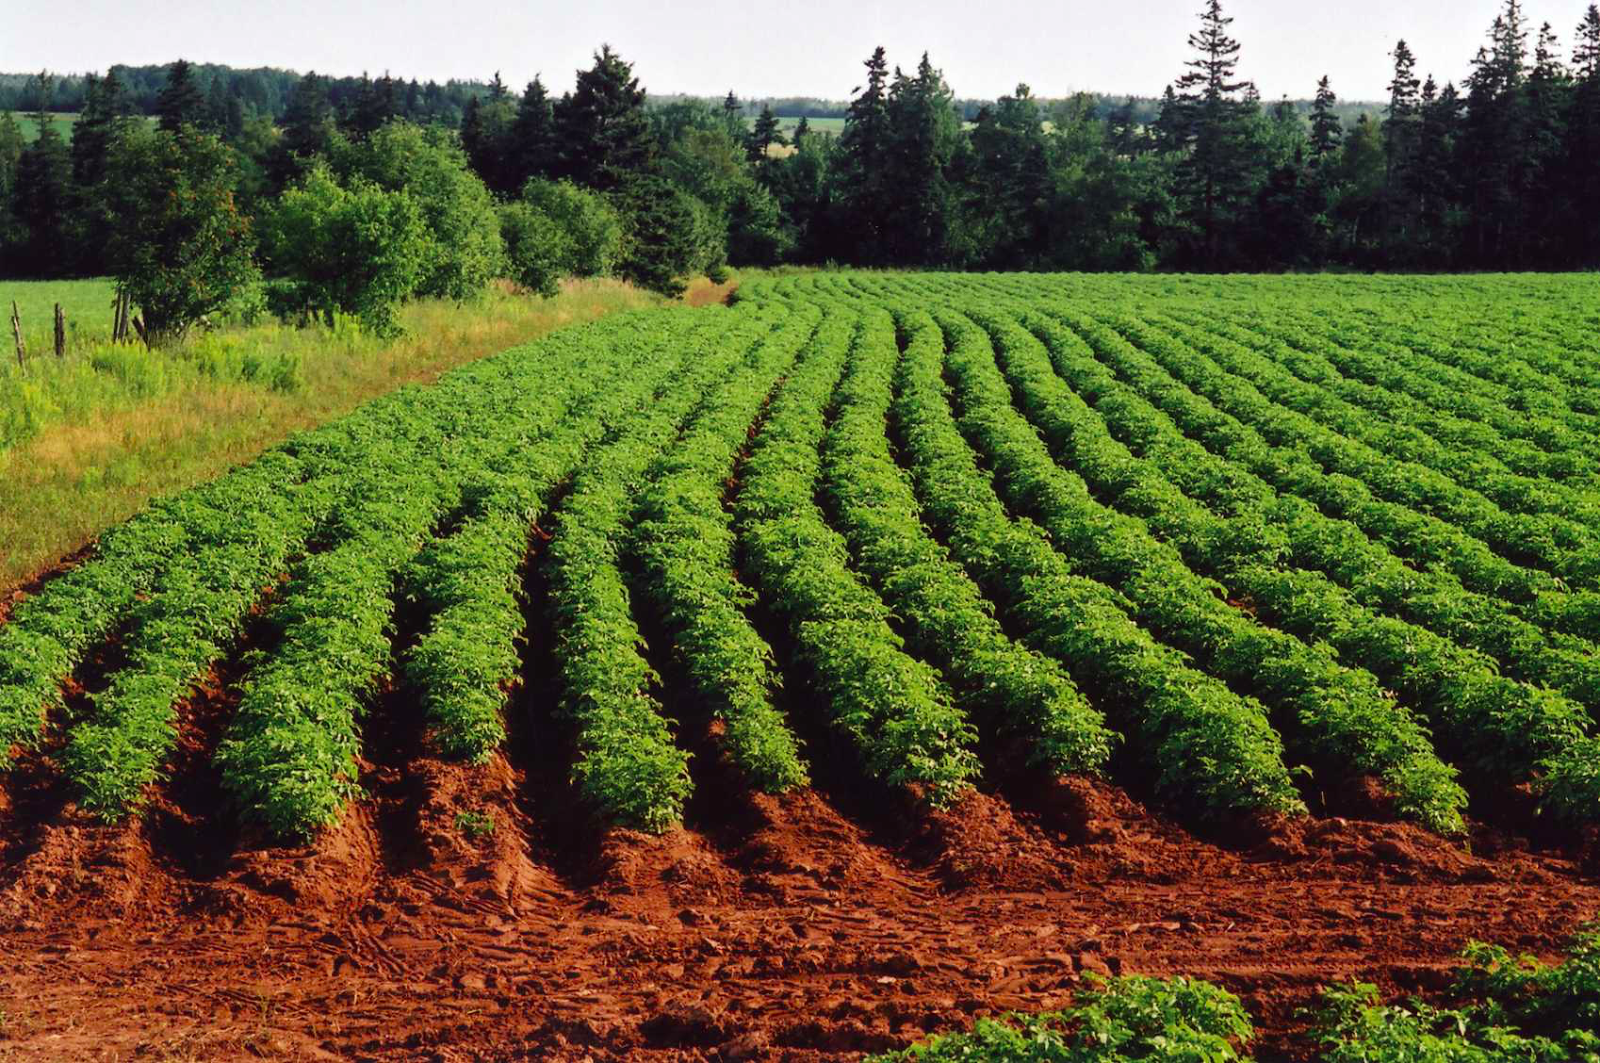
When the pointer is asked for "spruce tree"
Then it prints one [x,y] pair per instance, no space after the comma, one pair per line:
[864,147]
[42,201]
[924,130]
[1583,142]
[1217,176]
[1171,129]
[101,125]
[533,147]
[1400,133]
[1549,94]
[1496,151]
[802,130]
[307,130]
[604,133]
[1326,129]
[11,148]
[763,135]
[180,102]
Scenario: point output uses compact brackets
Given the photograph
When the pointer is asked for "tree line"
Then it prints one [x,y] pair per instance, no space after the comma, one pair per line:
[350,204]
[235,96]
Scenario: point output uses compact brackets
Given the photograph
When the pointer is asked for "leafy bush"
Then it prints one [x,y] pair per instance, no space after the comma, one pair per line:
[179,243]
[1131,1019]
[357,250]
[465,251]
[589,221]
[539,251]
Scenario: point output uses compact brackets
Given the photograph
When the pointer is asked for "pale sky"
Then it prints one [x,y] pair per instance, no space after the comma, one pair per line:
[758,49]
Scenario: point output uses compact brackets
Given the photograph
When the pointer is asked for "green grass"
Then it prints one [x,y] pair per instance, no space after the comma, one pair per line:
[62,120]
[86,303]
[817,125]
[87,440]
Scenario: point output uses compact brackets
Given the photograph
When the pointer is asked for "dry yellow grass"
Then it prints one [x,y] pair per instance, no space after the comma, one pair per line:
[59,489]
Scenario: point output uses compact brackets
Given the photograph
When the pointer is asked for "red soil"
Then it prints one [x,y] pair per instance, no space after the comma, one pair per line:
[772,928]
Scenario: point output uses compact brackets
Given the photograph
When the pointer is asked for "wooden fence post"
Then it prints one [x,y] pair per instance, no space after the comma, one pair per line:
[61,332]
[16,334]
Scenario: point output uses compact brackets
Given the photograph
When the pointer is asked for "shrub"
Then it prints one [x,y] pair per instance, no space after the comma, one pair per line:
[357,250]
[539,251]
[179,243]
[1117,1021]
[591,224]
[465,252]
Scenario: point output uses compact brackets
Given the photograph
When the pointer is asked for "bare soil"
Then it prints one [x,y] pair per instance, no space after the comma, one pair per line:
[806,927]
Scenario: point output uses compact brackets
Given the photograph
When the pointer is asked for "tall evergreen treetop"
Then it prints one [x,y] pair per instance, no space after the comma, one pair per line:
[1326,130]
[1586,50]
[764,134]
[1217,175]
[180,102]
[605,136]
[105,112]
[1403,101]
[866,125]
[1213,69]
[533,150]
[1511,42]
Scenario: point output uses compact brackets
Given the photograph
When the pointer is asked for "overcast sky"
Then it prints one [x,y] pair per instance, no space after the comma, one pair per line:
[758,48]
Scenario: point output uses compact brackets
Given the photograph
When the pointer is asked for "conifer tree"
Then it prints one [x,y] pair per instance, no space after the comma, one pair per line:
[1400,133]
[533,148]
[101,125]
[11,147]
[605,136]
[763,135]
[1326,129]
[924,129]
[1217,176]
[1171,127]
[180,102]
[864,147]
[307,130]
[1496,151]
[42,201]
[1583,141]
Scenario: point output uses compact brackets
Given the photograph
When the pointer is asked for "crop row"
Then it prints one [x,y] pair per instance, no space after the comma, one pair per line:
[1392,383]
[1508,729]
[466,662]
[1562,547]
[628,768]
[684,542]
[1212,750]
[891,708]
[1025,695]
[1480,472]
[1432,597]
[1337,719]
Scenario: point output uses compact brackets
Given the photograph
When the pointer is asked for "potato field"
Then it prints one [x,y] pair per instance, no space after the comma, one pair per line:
[800,677]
